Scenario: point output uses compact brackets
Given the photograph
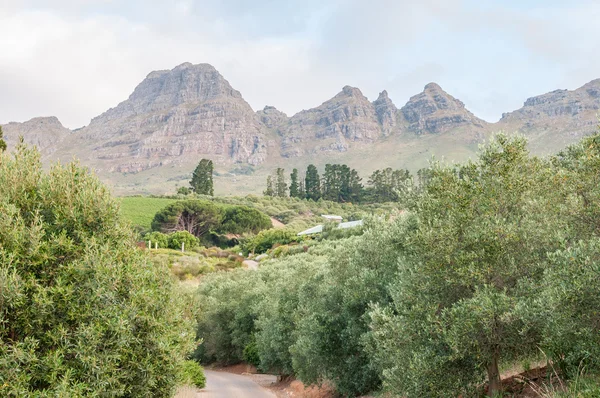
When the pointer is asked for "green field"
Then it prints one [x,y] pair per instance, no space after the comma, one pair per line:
[140,211]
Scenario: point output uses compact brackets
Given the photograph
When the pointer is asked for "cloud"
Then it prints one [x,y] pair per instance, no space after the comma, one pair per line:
[76,58]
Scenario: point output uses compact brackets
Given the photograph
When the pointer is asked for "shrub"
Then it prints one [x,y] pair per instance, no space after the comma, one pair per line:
[179,237]
[266,239]
[157,237]
[243,219]
[251,353]
[193,374]
[82,313]
[184,191]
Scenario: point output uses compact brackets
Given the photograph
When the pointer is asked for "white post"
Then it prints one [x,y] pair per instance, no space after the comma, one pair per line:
[156,245]
[182,246]
[149,244]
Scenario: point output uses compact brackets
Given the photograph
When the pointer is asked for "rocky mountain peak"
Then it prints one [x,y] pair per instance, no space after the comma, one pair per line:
[569,112]
[433,87]
[382,96]
[386,112]
[436,111]
[160,90]
[350,91]
[271,117]
[44,132]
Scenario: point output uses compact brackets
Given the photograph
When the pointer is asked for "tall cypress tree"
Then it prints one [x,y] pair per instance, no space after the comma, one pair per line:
[2,142]
[202,178]
[269,191]
[312,183]
[301,190]
[280,185]
[294,188]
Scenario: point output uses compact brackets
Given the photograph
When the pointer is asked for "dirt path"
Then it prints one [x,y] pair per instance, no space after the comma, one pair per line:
[228,385]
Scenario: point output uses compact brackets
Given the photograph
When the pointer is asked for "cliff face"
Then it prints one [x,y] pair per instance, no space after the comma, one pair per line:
[175,116]
[347,118]
[434,112]
[46,133]
[564,112]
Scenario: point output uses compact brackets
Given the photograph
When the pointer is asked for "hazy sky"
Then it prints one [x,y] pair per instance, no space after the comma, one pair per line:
[76,58]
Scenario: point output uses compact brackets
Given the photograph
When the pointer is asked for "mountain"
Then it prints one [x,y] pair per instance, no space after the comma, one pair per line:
[347,117]
[558,118]
[435,112]
[151,142]
[44,132]
[174,116]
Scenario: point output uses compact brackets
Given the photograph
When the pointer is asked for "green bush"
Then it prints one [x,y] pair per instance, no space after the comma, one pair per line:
[157,237]
[265,240]
[82,312]
[251,353]
[243,219]
[179,237]
[193,374]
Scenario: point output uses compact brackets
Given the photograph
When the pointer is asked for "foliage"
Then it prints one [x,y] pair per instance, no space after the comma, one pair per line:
[389,185]
[341,184]
[226,320]
[179,238]
[467,293]
[184,191]
[157,238]
[2,142]
[197,217]
[265,240]
[193,374]
[571,307]
[243,219]
[70,322]
[294,187]
[269,191]
[202,178]
[312,183]
[280,184]
[251,353]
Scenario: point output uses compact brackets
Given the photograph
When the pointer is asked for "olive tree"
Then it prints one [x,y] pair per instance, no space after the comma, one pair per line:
[477,245]
[82,311]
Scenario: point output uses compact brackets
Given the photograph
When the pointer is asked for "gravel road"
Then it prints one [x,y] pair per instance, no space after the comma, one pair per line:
[228,385]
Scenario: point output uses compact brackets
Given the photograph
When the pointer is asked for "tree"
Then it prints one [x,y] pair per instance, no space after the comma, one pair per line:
[269,191]
[280,185]
[243,219]
[294,187]
[2,142]
[301,190]
[197,217]
[477,245]
[341,184]
[184,191]
[82,312]
[312,183]
[389,185]
[202,178]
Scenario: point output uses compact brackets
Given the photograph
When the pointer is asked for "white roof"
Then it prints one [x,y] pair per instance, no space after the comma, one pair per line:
[319,228]
[314,230]
[331,217]
[350,224]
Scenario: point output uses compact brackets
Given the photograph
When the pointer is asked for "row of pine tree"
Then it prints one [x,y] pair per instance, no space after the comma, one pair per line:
[339,183]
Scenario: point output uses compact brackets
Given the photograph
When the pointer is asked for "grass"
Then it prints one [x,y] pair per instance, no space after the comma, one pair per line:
[140,210]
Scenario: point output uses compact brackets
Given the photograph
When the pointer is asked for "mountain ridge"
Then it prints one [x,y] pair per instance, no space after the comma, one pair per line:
[175,117]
